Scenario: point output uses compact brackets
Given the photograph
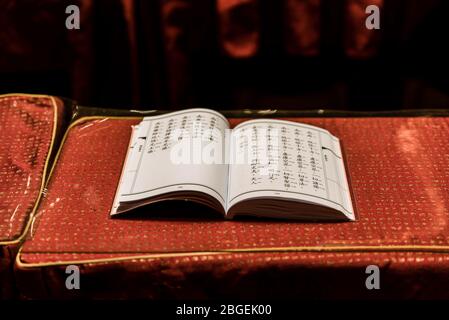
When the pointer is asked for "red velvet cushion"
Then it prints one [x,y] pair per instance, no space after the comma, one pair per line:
[27,129]
[400,177]
[28,125]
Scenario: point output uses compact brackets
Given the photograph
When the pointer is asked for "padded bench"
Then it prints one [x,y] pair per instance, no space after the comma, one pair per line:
[399,170]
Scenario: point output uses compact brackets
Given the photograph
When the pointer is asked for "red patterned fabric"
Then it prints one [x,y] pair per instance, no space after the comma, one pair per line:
[400,178]
[27,131]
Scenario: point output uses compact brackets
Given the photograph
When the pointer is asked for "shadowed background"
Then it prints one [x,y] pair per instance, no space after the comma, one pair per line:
[228,54]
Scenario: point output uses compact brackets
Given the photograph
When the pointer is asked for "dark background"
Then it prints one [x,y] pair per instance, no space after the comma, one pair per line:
[228,54]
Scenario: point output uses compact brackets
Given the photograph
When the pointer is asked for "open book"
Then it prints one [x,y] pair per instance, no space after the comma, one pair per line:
[263,167]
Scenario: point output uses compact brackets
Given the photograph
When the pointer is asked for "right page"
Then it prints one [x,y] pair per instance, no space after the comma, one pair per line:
[283,160]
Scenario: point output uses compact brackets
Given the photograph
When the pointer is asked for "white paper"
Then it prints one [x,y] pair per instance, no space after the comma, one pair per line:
[289,161]
[152,168]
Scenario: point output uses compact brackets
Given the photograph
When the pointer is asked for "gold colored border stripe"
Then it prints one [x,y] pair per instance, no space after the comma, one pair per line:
[305,249]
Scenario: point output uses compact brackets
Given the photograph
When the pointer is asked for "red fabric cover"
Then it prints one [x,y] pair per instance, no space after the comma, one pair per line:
[26,132]
[27,127]
[400,176]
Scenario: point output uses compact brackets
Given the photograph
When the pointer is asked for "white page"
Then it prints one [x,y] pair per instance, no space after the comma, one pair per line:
[287,160]
[155,163]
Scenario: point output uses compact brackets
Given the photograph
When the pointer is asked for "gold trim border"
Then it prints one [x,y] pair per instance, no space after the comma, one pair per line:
[436,249]
[46,164]
[305,249]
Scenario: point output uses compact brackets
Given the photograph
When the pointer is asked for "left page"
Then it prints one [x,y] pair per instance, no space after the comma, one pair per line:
[177,152]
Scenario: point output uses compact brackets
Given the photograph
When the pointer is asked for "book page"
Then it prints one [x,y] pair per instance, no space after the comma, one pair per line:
[287,160]
[180,151]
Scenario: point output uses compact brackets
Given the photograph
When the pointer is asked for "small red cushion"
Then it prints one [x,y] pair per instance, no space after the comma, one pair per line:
[28,126]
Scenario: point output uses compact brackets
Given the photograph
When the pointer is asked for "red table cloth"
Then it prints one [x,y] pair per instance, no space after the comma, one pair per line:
[399,168]
[29,126]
